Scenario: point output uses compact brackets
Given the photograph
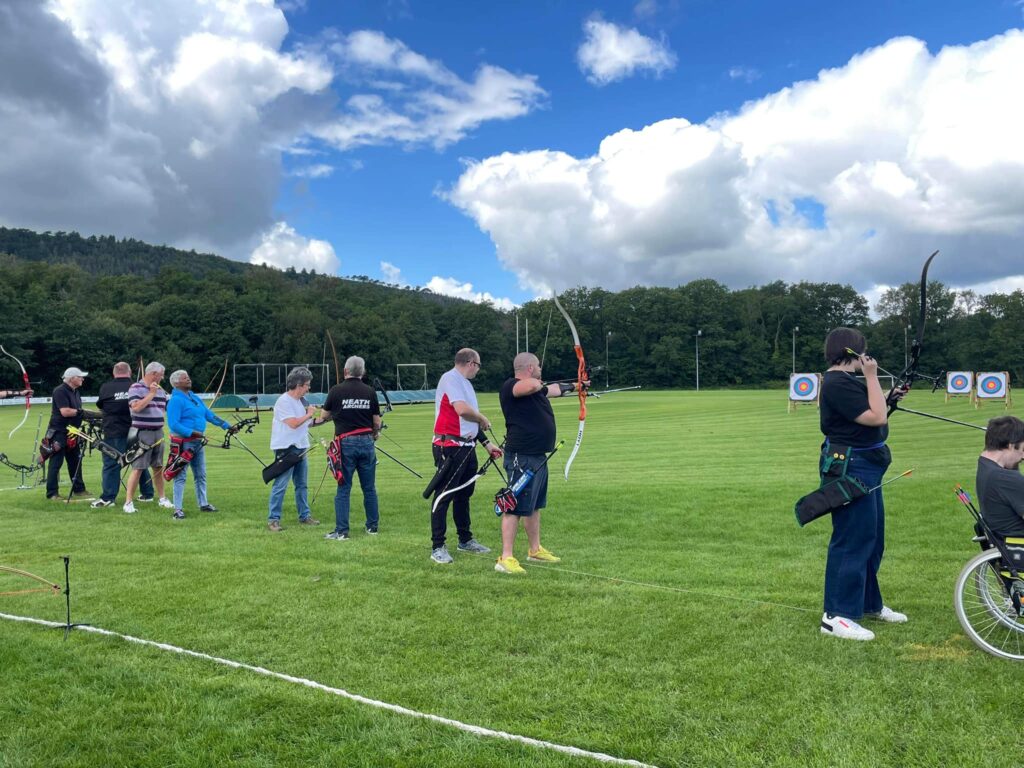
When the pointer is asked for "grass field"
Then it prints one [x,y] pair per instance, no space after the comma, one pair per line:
[680,629]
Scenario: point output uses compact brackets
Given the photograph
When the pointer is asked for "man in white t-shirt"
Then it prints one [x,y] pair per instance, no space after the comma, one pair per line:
[290,435]
[458,424]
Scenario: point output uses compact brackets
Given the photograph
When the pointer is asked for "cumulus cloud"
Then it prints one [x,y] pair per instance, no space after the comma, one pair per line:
[610,52]
[168,120]
[282,247]
[449,286]
[854,176]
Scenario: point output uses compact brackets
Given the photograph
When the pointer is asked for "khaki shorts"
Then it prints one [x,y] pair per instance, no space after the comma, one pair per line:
[154,457]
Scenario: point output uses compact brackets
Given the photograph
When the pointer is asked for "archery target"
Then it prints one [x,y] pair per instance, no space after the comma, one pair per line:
[992,385]
[959,382]
[803,386]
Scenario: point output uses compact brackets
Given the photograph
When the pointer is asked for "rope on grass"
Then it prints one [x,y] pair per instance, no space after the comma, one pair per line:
[473,729]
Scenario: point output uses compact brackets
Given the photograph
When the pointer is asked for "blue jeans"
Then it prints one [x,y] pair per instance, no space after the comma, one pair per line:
[198,467]
[298,473]
[357,456]
[112,473]
[855,551]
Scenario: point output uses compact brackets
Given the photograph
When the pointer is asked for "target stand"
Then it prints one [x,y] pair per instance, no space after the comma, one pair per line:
[960,384]
[993,386]
[804,389]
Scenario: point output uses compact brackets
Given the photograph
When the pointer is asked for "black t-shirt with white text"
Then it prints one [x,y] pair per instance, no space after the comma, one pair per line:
[529,421]
[844,397]
[352,405]
[113,401]
[1001,496]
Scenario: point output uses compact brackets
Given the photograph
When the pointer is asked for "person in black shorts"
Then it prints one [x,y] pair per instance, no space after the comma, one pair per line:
[356,413]
[999,482]
[530,436]
[854,421]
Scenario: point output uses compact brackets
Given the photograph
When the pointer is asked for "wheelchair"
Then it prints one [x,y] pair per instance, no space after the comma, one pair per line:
[990,590]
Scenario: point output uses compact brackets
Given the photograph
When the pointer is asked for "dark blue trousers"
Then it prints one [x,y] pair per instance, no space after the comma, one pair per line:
[855,551]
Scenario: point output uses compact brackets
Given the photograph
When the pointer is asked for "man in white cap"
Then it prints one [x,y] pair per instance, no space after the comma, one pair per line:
[65,412]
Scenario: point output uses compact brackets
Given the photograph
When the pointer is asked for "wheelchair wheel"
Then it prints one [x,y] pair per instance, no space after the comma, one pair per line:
[985,610]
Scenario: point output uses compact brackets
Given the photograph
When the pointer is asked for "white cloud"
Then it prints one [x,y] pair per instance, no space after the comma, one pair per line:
[610,52]
[392,273]
[852,177]
[449,286]
[405,98]
[746,74]
[316,171]
[282,247]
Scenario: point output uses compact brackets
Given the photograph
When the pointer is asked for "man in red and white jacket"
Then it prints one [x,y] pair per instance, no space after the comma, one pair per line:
[457,425]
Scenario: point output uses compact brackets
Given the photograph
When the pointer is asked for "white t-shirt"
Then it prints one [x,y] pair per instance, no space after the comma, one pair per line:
[283,436]
[452,388]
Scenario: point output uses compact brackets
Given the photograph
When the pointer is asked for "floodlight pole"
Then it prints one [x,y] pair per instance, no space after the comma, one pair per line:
[606,373]
[796,328]
[697,355]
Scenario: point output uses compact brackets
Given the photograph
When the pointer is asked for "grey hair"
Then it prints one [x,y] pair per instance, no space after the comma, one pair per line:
[122,368]
[297,377]
[175,377]
[524,360]
[355,366]
[154,366]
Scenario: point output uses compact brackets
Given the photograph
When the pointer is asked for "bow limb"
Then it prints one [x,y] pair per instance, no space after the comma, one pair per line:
[581,373]
[50,586]
[28,388]
[334,352]
[909,375]
[480,473]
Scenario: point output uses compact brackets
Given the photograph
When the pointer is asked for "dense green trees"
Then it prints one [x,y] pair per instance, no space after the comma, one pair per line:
[69,300]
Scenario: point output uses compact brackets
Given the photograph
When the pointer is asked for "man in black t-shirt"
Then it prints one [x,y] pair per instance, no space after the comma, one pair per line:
[530,436]
[117,420]
[999,482]
[66,411]
[356,413]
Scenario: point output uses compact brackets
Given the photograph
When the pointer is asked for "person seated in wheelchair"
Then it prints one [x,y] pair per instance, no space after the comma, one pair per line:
[999,482]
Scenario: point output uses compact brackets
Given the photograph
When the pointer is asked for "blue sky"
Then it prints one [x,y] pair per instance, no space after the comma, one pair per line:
[525,147]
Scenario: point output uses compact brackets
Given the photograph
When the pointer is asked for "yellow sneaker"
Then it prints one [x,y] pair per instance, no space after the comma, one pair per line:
[508,565]
[543,556]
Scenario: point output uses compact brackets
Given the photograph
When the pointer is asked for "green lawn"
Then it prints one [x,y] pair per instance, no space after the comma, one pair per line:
[680,629]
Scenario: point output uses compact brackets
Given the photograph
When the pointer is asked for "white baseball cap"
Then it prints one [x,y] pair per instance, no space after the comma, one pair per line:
[72,372]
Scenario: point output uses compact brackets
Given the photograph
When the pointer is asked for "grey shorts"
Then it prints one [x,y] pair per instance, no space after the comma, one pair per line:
[154,457]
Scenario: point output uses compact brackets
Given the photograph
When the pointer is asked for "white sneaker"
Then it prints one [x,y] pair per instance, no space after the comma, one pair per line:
[887,614]
[165,503]
[848,629]
[129,508]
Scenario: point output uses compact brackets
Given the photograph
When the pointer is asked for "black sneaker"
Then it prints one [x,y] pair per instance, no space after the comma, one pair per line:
[207,508]
[101,503]
[337,536]
[372,530]
[178,514]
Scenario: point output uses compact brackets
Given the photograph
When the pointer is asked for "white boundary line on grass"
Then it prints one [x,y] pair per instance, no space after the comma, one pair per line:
[474,729]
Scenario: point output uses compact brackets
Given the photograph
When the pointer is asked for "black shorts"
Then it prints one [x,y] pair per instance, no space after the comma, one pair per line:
[534,494]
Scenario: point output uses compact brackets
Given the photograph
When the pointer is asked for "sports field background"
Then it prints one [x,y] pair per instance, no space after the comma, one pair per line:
[709,655]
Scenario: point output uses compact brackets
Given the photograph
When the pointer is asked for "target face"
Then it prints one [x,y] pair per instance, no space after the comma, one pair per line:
[958,382]
[803,386]
[991,385]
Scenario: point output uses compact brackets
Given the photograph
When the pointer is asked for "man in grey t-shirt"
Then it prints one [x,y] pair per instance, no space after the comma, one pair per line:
[999,482]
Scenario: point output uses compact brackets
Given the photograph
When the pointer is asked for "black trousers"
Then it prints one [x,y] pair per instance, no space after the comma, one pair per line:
[74,460]
[464,456]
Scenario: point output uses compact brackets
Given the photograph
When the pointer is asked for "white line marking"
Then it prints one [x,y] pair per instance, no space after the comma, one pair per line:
[474,729]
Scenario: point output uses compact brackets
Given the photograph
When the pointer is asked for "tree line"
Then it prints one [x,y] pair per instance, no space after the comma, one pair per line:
[70,300]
